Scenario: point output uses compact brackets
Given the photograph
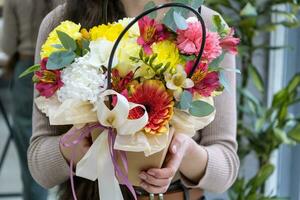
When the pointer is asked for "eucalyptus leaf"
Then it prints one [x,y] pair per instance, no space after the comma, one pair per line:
[30,70]
[68,42]
[58,46]
[183,11]
[216,62]
[201,109]
[86,44]
[60,59]
[149,5]
[185,100]
[196,3]
[168,20]
[180,21]
[224,81]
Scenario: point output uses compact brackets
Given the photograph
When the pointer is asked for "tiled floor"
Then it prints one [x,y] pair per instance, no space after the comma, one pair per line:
[10,181]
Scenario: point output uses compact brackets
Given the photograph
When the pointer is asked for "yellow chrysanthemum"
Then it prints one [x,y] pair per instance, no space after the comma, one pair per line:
[109,32]
[167,52]
[68,27]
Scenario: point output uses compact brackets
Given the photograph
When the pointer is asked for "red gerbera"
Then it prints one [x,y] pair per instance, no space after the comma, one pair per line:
[158,102]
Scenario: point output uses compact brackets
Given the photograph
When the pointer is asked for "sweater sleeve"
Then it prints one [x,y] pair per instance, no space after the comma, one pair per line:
[45,161]
[219,138]
[10,28]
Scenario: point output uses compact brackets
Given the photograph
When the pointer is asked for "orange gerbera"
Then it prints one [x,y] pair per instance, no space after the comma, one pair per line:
[158,102]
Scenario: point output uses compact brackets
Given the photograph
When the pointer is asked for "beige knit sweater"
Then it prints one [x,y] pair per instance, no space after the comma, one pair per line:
[49,168]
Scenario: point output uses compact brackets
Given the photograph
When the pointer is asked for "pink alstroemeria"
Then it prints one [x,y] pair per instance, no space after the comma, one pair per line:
[47,81]
[151,32]
[230,43]
[205,81]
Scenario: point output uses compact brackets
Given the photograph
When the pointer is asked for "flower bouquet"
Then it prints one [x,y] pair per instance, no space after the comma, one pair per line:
[132,84]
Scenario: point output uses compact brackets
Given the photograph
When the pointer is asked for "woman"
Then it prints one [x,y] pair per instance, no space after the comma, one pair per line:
[22,19]
[210,164]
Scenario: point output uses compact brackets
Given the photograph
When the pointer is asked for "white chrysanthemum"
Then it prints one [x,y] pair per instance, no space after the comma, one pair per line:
[134,31]
[99,53]
[82,81]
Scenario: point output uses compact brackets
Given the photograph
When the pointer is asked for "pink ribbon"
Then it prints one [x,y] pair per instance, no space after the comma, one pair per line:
[86,131]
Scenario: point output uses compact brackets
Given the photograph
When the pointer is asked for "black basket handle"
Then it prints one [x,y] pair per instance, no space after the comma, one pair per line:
[167,5]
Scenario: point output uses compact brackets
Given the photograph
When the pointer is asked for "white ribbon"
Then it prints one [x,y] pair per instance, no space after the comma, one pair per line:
[97,163]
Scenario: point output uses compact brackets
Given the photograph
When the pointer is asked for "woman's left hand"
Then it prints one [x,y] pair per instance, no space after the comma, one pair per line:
[158,180]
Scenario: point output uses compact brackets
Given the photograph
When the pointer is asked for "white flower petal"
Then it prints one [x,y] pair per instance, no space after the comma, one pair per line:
[188,83]
[171,85]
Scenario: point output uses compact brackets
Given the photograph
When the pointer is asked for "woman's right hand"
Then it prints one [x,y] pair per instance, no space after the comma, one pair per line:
[80,149]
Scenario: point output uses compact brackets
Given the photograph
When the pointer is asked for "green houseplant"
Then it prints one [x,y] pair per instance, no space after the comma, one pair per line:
[261,128]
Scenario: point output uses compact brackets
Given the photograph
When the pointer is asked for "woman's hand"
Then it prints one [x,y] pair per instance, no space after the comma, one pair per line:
[79,149]
[158,180]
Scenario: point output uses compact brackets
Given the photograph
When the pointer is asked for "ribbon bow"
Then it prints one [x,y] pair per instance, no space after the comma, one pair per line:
[100,161]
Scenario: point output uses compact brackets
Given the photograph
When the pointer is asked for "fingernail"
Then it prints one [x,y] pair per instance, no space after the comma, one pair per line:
[151,173]
[143,176]
[174,149]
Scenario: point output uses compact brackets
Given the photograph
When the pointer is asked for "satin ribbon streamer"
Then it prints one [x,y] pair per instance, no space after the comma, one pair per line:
[100,161]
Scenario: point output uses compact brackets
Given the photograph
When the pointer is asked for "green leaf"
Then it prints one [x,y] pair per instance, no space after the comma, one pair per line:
[180,21]
[196,3]
[224,81]
[30,70]
[187,58]
[227,69]
[256,78]
[247,94]
[185,100]
[282,136]
[183,11]
[280,97]
[153,57]
[294,83]
[216,62]
[86,44]
[168,20]
[148,6]
[295,133]
[68,42]
[58,46]
[248,11]
[60,59]
[257,181]
[201,109]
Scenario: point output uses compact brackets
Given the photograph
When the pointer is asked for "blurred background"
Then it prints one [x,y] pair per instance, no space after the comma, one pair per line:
[268,95]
